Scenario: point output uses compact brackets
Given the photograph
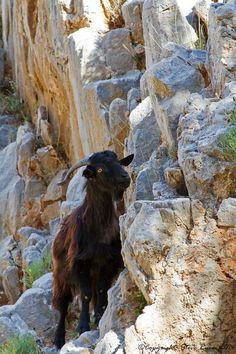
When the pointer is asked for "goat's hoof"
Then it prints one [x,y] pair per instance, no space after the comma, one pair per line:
[81,328]
[59,342]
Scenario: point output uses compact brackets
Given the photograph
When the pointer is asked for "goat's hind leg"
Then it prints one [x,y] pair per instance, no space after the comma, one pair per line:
[61,303]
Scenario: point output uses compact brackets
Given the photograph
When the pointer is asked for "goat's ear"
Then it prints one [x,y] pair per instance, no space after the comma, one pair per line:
[127,160]
[89,172]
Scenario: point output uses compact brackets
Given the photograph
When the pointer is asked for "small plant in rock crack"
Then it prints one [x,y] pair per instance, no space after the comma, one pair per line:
[141,303]
[37,269]
[227,143]
[20,345]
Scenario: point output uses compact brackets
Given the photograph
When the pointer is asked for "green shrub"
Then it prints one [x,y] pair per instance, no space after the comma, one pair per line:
[37,269]
[227,143]
[11,103]
[141,303]
[20,345]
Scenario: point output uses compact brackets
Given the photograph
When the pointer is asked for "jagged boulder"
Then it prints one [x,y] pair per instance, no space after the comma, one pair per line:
[221,45]
[169,84]
[34,311]
[187,274]
[208,174]
[160,20]
[11,191]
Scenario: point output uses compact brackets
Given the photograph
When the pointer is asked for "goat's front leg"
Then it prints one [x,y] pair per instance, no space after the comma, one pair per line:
[86,295]
[103,284]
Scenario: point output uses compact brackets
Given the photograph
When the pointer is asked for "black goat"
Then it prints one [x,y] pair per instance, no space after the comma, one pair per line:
[86,251]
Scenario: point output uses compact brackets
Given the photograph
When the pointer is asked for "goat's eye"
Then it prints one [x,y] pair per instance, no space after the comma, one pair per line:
[99,170]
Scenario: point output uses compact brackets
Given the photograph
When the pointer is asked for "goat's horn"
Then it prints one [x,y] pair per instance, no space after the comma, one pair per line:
[79,164]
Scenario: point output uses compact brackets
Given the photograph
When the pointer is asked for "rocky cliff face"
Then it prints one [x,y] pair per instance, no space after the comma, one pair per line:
[96,75]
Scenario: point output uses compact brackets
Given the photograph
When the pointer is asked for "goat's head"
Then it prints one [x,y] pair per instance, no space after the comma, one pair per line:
[105,172]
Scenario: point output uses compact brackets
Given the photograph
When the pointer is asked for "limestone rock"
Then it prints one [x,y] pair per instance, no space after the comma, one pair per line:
[144,134]
[111,343]
[226,213]
[51,211]
[75,193]
[82,345]
[221,44]
[11,191]
[119,53]
[175,178]
[12,326]
[133,99]
[99,96]
[54,191]
[7,135]
[160,20]
[25,149]
[44,128]
[132,13]
[49,162]
[123,306]
[179,276]
[118,124]
[1,65]
[33,304]
[11,283]
[170,82]
[208,175]
[24,233]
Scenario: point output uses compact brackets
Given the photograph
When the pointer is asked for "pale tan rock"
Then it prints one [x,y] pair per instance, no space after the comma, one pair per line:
[132,13]
[226,213]
[185,270]
[51,211]
[160,20]
[54,191]
[11,191]
[221,46]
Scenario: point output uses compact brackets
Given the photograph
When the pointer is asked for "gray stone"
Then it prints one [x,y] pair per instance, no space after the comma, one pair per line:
[23,234]
[7,329]
[12,325]
[44,282]
[54,191]
[11,283]
[30,255]
[226,213]
[2,52]
[160,21]
[33,304]
[118,124]
[144,135]
[25,148]
[132,13]
[208,175]
[111,343]
[11,191]
[221,46]
[123,305]
[34,239]
[54,226]
[43,127]
[179,239]
[7,135]
[82,345]
[119,51]
[170,82]
[133,99]
[99,96]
